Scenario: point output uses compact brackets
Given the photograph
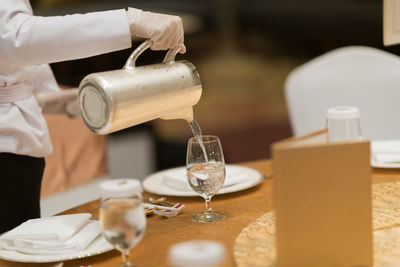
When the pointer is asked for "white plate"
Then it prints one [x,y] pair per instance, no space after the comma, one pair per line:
[154,183]
[376,164]
[98,246]
[383,145]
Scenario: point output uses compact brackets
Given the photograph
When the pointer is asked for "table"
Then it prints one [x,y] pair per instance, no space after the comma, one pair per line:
[242,208]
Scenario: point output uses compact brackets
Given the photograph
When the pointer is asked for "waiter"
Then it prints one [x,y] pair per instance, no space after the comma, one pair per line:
[28,44]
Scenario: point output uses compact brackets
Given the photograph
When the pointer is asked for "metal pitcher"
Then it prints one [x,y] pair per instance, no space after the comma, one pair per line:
[113,100]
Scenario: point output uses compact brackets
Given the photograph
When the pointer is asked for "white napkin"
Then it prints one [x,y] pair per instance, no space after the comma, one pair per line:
[176,178]
[386,151]
[52,235]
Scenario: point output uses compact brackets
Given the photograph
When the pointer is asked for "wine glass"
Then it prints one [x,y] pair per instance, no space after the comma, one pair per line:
[205,169]
[123,223]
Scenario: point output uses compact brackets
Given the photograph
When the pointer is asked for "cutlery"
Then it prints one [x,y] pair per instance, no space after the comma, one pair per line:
[148,211]
[158,207]
[160,201]
[153,200]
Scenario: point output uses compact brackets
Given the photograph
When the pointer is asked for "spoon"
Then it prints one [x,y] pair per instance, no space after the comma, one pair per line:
[153,200]
[160,201]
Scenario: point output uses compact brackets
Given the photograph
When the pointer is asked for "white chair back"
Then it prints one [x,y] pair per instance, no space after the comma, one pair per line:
[358,76]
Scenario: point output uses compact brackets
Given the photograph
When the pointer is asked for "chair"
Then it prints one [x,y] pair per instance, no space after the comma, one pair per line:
[358,76]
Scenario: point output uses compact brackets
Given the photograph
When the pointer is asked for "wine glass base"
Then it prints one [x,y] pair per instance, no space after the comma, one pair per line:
[205,217]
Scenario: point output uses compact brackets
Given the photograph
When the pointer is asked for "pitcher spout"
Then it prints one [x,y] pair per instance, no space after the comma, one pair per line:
[185,113]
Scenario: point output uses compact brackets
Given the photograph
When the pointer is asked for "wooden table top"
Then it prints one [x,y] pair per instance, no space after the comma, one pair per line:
[242,208]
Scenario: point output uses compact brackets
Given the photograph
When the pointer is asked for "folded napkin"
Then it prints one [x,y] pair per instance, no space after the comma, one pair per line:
[386,151]
[52,235]
[176,178]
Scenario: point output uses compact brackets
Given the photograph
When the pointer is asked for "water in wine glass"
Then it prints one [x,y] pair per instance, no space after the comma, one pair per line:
[198,135]
[206,178]
[123,222]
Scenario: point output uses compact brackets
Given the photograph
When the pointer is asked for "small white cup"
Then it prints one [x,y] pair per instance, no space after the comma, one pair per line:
[197,253]
[120,188]
[343,124]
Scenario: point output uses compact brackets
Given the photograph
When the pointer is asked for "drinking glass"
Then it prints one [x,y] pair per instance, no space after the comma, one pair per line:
[123,223]
[343,124]
[205,169]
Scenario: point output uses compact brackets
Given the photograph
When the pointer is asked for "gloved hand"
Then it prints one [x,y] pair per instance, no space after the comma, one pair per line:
[165,31]
[62,102]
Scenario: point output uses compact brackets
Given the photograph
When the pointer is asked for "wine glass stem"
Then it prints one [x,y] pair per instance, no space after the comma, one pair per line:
[125,255]
[208,205]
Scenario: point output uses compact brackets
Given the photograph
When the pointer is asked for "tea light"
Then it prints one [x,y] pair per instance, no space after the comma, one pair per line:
[196,253]
[120,188]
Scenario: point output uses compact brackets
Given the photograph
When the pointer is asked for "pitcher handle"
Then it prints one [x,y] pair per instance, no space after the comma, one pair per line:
[171,54]
[131,61]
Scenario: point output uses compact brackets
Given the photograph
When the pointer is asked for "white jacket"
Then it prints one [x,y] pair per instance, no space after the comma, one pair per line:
[27,44]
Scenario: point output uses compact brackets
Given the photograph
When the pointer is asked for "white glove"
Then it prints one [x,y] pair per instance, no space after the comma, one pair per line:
[165,31]
[62,102]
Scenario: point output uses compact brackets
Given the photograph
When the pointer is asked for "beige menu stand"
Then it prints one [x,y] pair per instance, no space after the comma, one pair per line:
[391,22]
[322,196]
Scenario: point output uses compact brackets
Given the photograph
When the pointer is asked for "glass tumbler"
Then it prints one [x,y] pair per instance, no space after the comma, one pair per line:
[343,124]
[122,218]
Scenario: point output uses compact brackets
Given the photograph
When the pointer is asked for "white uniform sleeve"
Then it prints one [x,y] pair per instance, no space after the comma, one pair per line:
[28,40]
[45,80]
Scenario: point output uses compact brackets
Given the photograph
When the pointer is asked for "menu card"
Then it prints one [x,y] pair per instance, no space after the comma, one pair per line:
[391,22]
[322,196]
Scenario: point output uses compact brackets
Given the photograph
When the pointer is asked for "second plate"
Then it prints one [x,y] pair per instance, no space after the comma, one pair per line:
[155,183]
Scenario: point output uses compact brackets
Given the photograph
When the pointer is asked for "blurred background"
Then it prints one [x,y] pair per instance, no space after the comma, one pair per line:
[244,50]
